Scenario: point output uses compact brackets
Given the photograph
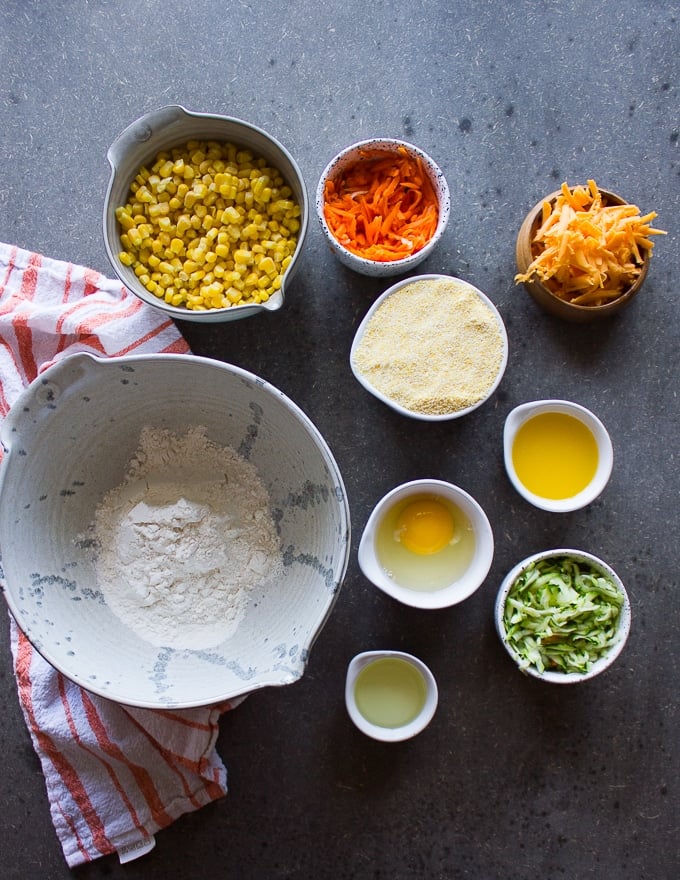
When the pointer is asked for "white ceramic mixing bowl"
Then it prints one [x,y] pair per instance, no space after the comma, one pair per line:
[69,439]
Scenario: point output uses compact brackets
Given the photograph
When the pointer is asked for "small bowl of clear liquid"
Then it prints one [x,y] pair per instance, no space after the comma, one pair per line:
[390,695]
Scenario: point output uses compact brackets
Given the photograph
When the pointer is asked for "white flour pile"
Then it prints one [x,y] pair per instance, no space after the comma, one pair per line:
[184,540]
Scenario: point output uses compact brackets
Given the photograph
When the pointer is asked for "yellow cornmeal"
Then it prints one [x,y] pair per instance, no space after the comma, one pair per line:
[433,347]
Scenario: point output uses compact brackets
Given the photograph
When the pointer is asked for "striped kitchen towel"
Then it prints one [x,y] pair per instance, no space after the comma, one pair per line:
[115,775]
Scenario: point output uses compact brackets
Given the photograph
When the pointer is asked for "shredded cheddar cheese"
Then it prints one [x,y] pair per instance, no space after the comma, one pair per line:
[586,251]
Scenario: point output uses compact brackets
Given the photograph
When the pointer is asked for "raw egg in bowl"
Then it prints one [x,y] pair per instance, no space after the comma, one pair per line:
[558,454]
[428,544]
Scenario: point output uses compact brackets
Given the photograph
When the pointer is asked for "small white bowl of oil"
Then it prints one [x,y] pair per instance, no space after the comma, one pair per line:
[558,454]
[390,695]
[427,544]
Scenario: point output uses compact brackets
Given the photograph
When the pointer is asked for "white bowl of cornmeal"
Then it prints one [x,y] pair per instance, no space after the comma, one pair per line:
[432,347]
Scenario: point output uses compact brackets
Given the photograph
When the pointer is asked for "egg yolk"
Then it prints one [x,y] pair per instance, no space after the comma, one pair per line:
[425,526]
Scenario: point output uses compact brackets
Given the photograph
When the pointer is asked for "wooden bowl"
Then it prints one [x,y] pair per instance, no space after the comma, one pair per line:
[542,294]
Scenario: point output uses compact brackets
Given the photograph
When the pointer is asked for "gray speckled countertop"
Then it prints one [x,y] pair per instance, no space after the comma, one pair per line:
[512,780]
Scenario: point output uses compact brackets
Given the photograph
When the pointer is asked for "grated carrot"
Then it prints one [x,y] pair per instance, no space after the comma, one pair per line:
[586,251]
[383,207]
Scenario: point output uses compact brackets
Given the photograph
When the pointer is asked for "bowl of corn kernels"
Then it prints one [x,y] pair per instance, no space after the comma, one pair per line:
[205,216]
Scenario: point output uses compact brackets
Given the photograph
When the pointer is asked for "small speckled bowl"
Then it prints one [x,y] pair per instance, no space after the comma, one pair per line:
[69,439]
[545,297]
[173,126]
[358,153]
[622,632]
[366,382]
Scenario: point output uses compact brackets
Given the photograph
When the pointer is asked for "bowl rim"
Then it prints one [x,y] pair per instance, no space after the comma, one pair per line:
[448,596]
[347,156]
[521,414]
[538,290]
[141,130]
[428,417]
[390,734]
[603,662]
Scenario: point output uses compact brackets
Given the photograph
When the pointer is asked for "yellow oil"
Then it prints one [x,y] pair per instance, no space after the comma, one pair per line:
[390,692]
[555,455]
[424,542]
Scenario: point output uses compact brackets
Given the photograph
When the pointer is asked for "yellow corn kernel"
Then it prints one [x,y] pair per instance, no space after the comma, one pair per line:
[230,215]
[242,256]
[143,195]
[267,265]
[124,218]
[126,258]
[158,209]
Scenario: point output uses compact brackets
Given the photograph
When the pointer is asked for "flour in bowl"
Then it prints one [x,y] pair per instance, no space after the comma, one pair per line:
[184,540]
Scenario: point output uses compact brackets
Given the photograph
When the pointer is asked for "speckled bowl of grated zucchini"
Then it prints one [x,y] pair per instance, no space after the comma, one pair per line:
[205,216]
[563,616]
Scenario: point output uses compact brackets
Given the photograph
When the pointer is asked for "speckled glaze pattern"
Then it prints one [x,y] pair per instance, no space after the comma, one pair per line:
[348,157]
[69,439]
[171,126]
[624,620]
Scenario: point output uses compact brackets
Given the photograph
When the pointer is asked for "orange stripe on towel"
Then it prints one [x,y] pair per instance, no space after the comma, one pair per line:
[62,766]
[142,778]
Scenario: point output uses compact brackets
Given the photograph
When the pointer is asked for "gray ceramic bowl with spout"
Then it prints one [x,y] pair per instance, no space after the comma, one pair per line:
[173,126]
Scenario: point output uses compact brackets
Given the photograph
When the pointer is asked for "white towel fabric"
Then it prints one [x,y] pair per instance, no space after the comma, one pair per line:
[115,775]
